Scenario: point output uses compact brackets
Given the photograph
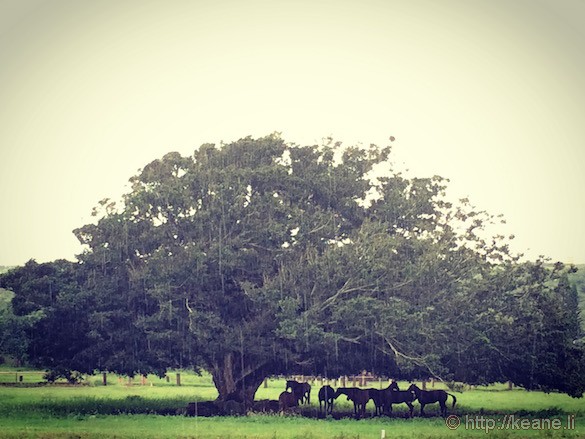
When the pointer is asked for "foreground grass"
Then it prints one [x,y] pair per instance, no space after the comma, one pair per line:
[120,410]
[251,427]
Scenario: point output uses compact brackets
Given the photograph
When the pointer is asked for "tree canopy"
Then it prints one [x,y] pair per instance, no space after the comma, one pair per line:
[259,257]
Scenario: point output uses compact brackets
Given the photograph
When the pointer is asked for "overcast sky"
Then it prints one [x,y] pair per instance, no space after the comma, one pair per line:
[487,93]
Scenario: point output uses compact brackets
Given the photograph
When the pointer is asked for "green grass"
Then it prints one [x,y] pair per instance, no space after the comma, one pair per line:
[135,411]
[257,427]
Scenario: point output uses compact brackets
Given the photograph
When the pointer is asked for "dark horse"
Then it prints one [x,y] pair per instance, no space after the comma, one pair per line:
[286,400]
[393,395]
[302,391]
[360,398]
[430,397]
[379,399]
[326,395]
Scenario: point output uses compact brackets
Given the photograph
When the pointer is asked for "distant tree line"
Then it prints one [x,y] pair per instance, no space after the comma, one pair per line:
[577,280]
[258,257]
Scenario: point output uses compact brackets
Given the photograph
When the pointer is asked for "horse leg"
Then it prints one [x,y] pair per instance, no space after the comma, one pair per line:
[411,407]
[443,408]
[422,409]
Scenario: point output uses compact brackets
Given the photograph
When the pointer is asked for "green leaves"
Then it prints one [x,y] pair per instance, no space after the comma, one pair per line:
[259,257]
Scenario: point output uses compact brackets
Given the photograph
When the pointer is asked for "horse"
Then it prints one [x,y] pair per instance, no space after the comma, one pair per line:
[360,398]
[326,395]
[286,400]
[379,399]
[302,391]
[430,397]
[393,395]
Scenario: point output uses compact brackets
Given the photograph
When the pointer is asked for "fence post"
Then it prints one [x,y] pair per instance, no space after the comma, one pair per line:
[178,379]
[424,384]
[265,383]
[104,378]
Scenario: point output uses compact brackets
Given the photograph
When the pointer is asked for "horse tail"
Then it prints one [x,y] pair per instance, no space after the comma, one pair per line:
[454,399]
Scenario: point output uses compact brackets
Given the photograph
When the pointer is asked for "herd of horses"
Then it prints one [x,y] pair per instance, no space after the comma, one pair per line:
[383,399]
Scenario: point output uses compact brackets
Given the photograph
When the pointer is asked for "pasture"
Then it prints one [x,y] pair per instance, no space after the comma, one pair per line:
[154,409]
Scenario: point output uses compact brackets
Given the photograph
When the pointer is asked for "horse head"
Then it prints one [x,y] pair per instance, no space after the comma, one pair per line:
[414,390]
[394,386]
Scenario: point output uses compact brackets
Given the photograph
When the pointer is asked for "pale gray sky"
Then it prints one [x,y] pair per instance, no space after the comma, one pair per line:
[488,93]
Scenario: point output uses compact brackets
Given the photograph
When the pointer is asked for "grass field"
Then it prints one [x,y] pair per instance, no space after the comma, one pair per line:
[124,410]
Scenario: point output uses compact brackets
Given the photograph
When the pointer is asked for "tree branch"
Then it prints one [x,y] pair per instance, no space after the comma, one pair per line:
[415,360]
[344,290]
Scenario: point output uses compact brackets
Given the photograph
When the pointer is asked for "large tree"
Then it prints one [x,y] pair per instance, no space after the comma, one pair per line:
[258,257]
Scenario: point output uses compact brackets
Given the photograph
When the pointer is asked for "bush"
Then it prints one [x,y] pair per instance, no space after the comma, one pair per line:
[455,386]
[72,377]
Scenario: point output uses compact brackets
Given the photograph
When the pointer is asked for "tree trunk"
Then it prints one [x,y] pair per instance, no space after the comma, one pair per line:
[234,384]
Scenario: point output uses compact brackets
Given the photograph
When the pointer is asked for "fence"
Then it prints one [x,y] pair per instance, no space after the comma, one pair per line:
[22,377]
[38,378]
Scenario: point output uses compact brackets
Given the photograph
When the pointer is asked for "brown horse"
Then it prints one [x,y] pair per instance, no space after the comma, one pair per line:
[430,397]
[326,395]
[302,391]
[360,398]
[286,400]
[393,395]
